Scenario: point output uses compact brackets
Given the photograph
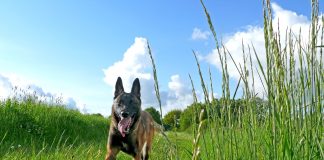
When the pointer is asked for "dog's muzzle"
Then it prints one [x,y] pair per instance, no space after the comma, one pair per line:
[125,123]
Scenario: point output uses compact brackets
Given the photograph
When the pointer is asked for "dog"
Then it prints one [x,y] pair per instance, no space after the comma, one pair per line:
[131,129]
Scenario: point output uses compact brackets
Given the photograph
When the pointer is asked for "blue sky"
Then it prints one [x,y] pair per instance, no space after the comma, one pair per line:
[64,47]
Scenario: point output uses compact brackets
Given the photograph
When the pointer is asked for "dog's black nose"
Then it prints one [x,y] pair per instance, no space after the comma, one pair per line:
[124,114]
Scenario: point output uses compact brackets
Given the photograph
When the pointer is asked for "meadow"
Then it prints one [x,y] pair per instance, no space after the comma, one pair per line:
[290,127]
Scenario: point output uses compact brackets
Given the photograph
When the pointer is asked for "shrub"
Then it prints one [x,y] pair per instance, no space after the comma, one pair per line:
[188,115]
[171,120]
[154,113]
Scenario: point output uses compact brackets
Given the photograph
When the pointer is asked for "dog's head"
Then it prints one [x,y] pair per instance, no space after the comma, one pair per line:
[126,108]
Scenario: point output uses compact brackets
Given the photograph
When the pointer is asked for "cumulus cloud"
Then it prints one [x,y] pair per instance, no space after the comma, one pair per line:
[197,34]
[136,63]
[254,35]
[133,64]
[70,103]
[13,86]
[5,87]
[179,95]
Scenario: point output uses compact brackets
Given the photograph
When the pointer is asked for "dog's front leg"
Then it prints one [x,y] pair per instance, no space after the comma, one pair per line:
[112,153]
[137,157]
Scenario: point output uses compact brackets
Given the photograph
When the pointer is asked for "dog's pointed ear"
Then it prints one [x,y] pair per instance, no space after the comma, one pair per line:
[136,88]
[119,89]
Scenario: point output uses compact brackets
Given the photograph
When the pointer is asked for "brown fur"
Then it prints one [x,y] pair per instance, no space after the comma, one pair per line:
[138,141]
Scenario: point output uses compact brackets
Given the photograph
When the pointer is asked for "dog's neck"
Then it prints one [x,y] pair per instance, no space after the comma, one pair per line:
[137,124]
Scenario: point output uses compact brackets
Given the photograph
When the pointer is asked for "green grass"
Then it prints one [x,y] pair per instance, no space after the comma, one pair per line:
[291,126]
[35,130]
[32,129]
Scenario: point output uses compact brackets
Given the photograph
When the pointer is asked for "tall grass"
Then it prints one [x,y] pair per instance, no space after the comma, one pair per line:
[171,148]
[32,129]
[290,125]
[293,125]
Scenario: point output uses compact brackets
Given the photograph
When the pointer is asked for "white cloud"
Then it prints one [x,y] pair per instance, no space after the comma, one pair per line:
[254,35]
[5,87]
[287,18]
[233,44]
[197,34]
[136,63]
[73,104]
[179,95]
[14,86]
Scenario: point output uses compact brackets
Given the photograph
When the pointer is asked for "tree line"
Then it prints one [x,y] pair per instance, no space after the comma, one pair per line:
[182,120]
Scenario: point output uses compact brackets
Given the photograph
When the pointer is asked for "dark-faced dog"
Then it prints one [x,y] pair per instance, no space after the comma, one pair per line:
[131,129]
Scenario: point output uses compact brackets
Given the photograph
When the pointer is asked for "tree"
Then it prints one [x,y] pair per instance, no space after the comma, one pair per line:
[172,119]
[154,113]
[191,114]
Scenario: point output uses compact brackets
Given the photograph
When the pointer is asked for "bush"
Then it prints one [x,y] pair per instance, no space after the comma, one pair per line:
[188,115]
[171,120]
[154,113]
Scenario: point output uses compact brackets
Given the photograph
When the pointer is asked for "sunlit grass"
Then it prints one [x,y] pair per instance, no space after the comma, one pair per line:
[293,125]
[287,124]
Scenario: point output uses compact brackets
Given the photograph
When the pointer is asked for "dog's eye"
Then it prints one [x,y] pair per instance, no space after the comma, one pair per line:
[120,104]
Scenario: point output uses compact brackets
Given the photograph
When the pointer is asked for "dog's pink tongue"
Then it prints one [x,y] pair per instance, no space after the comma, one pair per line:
[123,124]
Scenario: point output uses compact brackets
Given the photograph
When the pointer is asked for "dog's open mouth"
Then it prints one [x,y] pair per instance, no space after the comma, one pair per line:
[124,125]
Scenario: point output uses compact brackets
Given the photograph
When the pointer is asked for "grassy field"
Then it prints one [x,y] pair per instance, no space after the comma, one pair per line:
[292,127]
[32,130]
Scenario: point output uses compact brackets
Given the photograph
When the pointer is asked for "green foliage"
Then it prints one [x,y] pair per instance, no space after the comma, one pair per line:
[288,125]
[237,109]
[171,119]
[36,130]
[188,115]
[34,125]
[154,113]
